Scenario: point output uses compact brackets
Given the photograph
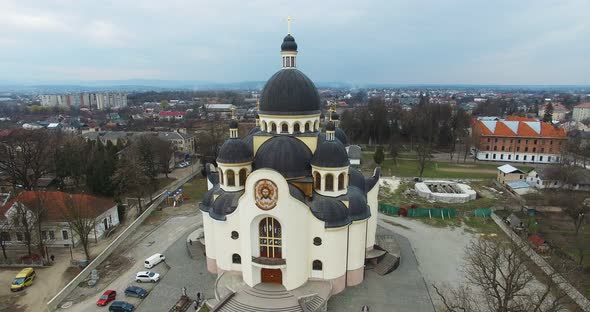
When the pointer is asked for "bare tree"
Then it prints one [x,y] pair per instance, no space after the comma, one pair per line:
[163,153]
[39,211]
[5,229]
[23,221]
[423,151]
[26,156]
[209,140]
[498,280]
[79,217]
[131,179]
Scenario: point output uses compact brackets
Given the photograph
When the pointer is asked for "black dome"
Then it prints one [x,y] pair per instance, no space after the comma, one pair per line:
[335,116]
[331,154]
[330,210]
[289,92]
[341,136]
[254,130]
[289,43]
[357,204]
[285,154]
[356,178]
[233,124]
[330,126]
[234,151]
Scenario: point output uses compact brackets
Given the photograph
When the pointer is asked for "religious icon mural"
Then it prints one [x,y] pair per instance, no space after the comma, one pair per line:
[265,194]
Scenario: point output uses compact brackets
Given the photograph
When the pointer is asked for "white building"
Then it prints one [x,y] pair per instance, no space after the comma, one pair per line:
[55,229]
[284,207]
[581,112]
[86,100]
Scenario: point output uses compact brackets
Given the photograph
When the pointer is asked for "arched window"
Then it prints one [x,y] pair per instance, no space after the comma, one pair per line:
[341,182]
[318,180]
[297,127]
[329,182]
[269,238]
[242,176]
[235,258]
[284,128]
[307,125]
[316,265]
[263,126]
[221,176]
[231,178]
[273,127]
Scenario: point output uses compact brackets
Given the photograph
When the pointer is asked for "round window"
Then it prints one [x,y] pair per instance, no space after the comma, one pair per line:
[317,241]
[235,235]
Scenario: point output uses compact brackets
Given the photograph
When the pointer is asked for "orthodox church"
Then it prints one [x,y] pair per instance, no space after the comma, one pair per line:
[284,206]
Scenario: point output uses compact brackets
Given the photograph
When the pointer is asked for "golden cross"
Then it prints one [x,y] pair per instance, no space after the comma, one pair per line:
[289,25]
[233,112]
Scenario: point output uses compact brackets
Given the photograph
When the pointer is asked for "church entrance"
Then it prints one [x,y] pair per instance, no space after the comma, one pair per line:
[274,276]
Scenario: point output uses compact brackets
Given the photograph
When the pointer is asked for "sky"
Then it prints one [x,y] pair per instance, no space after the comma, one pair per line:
[363,41]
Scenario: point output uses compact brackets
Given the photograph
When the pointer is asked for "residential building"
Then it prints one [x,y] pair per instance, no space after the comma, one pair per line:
[517,139]
[100,101]
[55,229]
[223,110]
[550,178]
[183,143]
[581,112]
[559,111]
[508,173]
[171,116]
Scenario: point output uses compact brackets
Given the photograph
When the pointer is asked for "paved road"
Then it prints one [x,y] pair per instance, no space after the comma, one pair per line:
[184,272]
[157,241]
[401,290]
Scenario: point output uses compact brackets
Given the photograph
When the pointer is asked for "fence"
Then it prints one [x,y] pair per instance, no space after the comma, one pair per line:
[52,305]
[418,212]
[483,212]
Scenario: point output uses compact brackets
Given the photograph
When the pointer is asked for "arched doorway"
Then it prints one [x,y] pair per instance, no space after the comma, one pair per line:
[270,244]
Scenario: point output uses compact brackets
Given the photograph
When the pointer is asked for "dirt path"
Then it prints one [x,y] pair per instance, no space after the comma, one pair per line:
[467,170]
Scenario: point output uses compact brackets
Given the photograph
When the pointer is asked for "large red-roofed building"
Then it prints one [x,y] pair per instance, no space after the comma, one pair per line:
[518,139]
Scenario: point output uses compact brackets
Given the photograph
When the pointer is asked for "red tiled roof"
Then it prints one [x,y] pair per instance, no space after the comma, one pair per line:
[172,113]
[518,118]
[525,128]
[55,203]
[583,105]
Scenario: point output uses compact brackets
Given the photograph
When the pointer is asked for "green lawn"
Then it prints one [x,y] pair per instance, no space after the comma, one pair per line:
[434,169]
[195,188]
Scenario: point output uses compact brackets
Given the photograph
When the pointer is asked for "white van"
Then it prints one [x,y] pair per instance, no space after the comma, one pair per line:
[153,260]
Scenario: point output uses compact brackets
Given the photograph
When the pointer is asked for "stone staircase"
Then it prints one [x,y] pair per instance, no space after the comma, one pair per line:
[261,298]
[313,303]
[387,264]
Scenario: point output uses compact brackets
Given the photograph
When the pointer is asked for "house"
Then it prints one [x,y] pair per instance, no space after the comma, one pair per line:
[551,177]
[171,116]
[581,112]
[559,111]
[508,173]
[354,154]
[223,110]
[55,229]
[182,142]
[518,139]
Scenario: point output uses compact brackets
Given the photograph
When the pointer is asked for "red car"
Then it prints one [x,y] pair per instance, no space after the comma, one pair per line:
[107,297]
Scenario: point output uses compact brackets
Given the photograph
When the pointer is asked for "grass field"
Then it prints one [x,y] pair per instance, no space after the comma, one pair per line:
[407,167]
[196,188]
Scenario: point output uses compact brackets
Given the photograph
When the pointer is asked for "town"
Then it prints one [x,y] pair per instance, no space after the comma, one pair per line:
[287,192]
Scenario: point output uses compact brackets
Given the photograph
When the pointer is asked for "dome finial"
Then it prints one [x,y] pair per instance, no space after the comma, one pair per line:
[288,25]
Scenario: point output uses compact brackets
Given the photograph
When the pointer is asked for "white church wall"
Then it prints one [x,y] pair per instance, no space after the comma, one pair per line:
[228,246]
[210,242]
[293,217]
[373,203]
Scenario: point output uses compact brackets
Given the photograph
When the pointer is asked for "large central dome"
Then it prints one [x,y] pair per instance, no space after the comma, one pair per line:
[289,92]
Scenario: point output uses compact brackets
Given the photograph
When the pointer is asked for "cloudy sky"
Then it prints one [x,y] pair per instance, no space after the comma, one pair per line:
[368,41]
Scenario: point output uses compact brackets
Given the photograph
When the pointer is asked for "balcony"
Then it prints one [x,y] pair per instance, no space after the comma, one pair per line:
[269,261]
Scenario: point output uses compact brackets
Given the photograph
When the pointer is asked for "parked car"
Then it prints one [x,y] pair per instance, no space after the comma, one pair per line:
[134,291]
[147,276]
[23,279]
[121,306]
[107,296]
[153,260]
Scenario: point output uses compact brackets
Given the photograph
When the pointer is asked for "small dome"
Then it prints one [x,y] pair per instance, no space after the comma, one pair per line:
[341,136]
[289,43]
[331,154]
[357,204]
[330,126]
[234,151]
[225,204]
[356,178]
[335,116]
[233,124]
[330,210]
[285,154]
[289,92]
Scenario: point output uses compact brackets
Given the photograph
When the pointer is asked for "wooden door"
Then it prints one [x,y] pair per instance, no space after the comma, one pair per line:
[274,276]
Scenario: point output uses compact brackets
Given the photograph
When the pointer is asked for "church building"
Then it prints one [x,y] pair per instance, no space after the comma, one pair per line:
[284,206]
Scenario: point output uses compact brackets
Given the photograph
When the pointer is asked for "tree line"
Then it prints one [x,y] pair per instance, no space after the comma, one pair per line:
[80,166]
